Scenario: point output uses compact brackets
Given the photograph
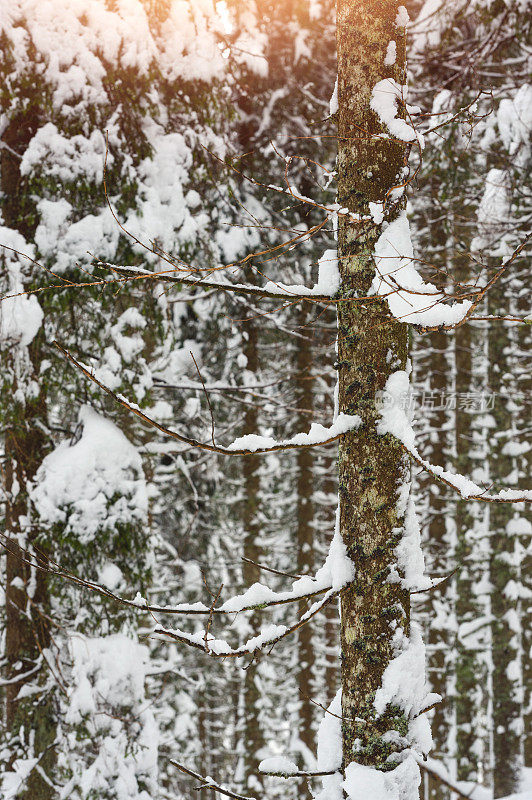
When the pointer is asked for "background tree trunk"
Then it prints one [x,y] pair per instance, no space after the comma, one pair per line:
[26,592]
[305,537]
[253,732]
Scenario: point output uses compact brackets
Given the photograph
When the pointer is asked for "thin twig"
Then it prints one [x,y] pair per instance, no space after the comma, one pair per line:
[270,569]
[226,451]
[208,783]
[445,781]
[207,396]
[437,585]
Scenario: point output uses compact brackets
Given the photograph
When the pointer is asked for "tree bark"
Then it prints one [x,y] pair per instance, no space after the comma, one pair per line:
[305,539]
[26,592]
[504,566]
[253,732]
[371,345]
[439,637]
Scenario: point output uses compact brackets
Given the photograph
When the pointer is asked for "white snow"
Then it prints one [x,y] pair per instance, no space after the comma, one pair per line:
[408,296]
[365,783]
[410,560]
[67,158]
[21,315]
[395,421]
[403,682]
[74,36]
[110,576]
[12,781]
[385,98]
[107,682]
[20,318]
[391,54]
[377,212]
[333,102]
[93,484]
[329,751]
[328,280]
[514,120]
[278,765]
[402,19]
[336,572]
[318,433]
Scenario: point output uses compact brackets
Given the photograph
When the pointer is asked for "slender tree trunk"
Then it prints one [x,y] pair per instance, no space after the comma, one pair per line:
[503,569]
[331,624]
[253,732]
[29,720]
[468,669]
[305,538]
[371,345]
[523,519]
[471,703]
[439,636]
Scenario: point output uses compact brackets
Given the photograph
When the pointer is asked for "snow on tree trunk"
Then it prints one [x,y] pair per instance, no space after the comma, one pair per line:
[29,725]
[377,640]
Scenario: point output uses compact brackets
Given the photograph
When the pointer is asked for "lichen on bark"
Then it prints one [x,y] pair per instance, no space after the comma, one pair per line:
[371,345]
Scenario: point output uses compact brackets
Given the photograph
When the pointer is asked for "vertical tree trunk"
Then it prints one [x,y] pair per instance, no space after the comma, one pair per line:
[305,537]
[371,345]
[522,520]
[439,636]
[26,593]
[472,642]
[504,576]
[467,665]
[253,733]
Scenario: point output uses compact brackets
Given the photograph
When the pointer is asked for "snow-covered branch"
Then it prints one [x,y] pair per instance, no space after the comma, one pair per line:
[209,783]
[395,422]
[282,767]
[244,445]
[269,636]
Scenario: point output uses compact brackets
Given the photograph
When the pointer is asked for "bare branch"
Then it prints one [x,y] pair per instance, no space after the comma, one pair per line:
[270,569]
[437,583]
[208,783]
[428,766]
[300,774]
[481,294]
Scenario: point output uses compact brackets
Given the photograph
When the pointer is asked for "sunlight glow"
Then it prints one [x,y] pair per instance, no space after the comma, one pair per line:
[223,11]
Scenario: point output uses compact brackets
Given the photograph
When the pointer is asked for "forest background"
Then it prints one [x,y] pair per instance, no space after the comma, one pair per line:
[192,112]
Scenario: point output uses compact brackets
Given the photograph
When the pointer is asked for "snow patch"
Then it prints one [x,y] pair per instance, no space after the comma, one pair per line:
[278,765]
[330,751]
[328,279]
[95,483]
[391,54]
[318,433]
[366,783]
[408,296]
[402,19]
[385,98]
[21,315]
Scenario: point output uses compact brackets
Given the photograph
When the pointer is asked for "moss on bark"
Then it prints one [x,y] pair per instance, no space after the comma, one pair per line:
[371,345]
